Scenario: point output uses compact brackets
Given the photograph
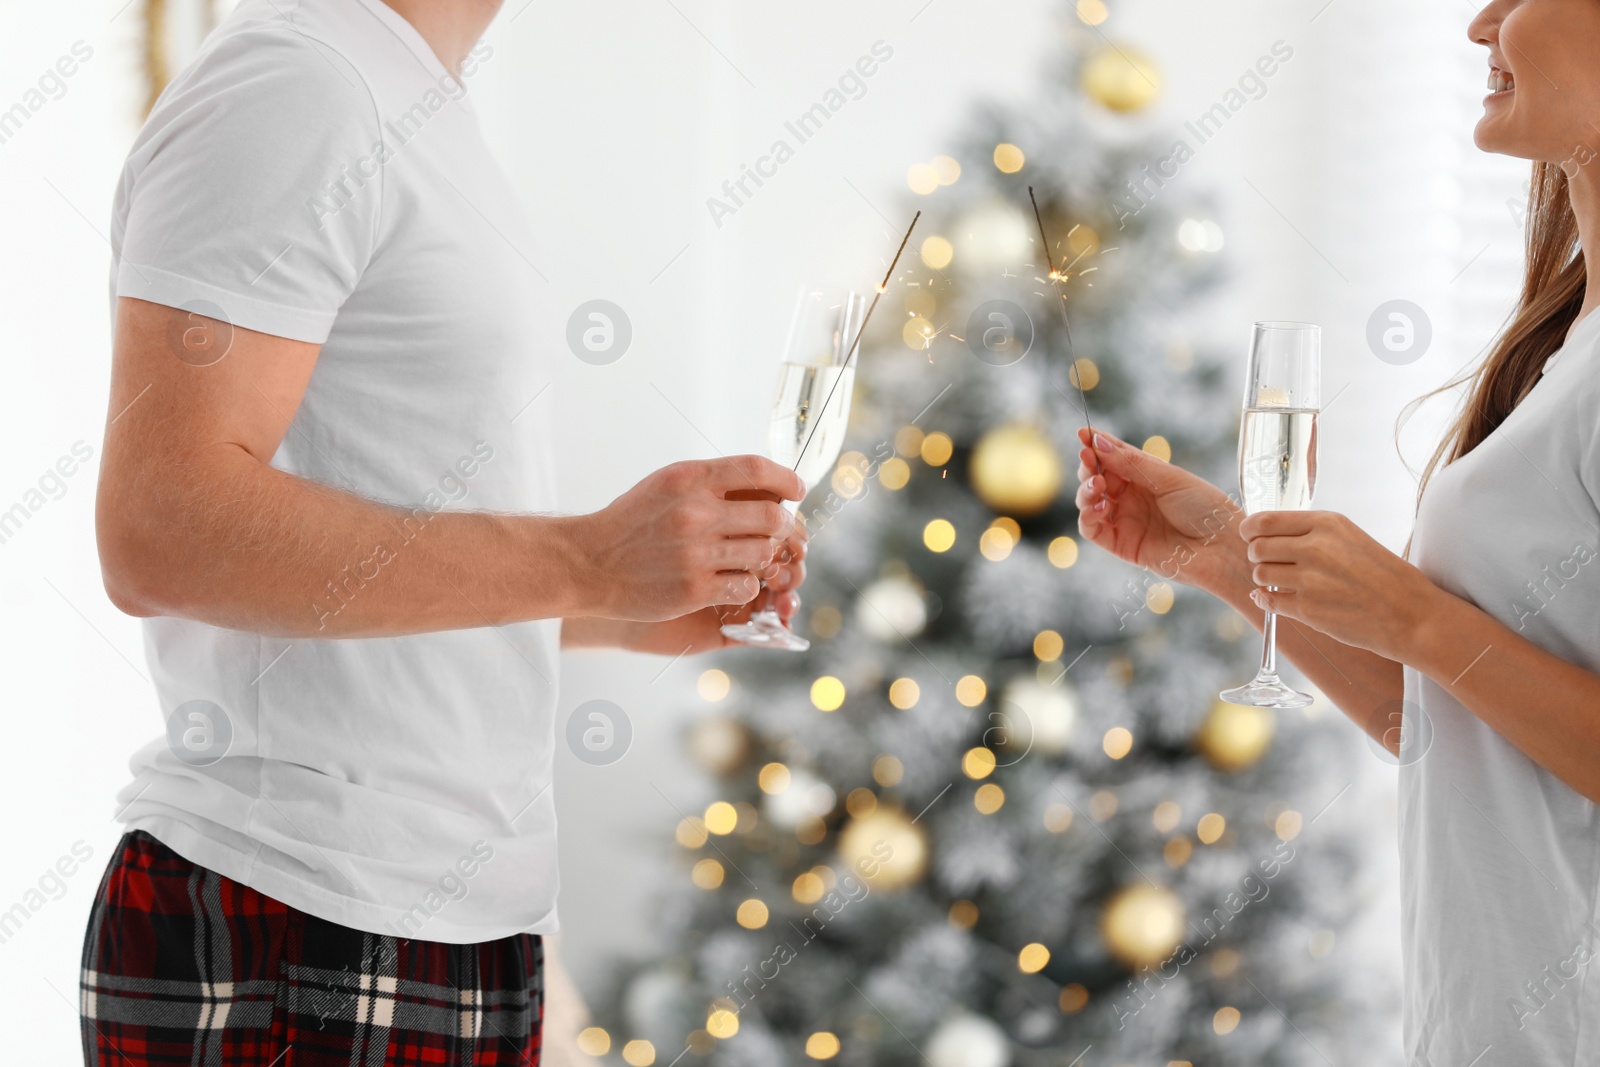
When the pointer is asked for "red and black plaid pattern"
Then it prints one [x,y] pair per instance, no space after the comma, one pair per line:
[183,966]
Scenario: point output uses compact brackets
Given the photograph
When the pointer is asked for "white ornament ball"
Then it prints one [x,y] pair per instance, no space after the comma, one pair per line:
[995,236]
[807,796]
[654,999]
[892,609]
[1040,712]
[719,744]
[969,1041]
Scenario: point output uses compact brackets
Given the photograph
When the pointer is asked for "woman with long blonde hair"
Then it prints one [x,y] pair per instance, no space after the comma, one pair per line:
[1476,657]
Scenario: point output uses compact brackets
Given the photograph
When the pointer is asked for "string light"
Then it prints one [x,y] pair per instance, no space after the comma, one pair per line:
[721,818]
[827,693]
[887,771]
[752,915]
[713,685]
[1008,158]
[1063,552]
[773,779]
[978,763]
[822,1045]
[971,690]
[939,535]
[1032,958]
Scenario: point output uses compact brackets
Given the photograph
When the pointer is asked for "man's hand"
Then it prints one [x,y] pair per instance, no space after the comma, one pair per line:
[701,631]
[674,544]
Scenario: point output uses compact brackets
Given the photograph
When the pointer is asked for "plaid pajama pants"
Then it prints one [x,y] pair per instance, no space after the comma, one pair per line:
[182,966]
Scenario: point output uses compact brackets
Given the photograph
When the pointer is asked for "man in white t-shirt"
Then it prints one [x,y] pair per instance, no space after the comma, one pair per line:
[327,488]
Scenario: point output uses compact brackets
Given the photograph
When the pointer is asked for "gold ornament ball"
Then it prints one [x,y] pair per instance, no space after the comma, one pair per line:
[1016,470]
[885,848]
[719,744]
[1234,737]
[1121,78]
[1142,925]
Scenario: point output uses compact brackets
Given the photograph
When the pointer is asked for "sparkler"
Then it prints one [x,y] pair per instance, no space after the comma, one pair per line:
[1057,277]
[851,351]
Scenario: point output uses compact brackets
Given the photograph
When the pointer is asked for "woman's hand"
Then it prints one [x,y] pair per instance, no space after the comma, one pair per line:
[1330,575]
[1155,515]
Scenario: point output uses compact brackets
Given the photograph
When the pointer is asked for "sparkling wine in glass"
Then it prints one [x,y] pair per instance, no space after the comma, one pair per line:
[809,419]
[1278,463]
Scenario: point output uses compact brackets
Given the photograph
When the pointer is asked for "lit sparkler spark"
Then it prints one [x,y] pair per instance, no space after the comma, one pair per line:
[1056,277]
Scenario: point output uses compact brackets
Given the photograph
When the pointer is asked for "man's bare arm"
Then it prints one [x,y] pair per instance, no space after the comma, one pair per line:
[192,522]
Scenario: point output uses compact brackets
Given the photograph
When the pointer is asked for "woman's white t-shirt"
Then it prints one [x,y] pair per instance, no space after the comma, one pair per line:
[317,174]
[1500,860]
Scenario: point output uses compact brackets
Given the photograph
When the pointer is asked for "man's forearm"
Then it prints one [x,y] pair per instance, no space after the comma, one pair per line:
[248,547]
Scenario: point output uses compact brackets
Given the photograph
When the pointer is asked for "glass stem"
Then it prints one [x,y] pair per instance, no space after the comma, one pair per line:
[1269,645]
[766,603]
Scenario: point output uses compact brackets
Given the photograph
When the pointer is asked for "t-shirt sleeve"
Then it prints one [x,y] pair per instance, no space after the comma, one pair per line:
[255,193]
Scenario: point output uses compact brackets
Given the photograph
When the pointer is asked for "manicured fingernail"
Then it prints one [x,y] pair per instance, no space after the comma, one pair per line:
[1255,595]
[1100,505]
[1102,442]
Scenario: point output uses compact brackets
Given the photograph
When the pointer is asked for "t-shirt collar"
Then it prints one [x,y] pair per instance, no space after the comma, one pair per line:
[1580,334]
[408,36]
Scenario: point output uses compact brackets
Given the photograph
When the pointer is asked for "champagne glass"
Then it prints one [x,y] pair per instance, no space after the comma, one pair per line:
[809,418]
[1278,463]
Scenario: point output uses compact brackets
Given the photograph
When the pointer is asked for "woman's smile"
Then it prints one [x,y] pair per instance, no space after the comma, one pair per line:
[1501,84]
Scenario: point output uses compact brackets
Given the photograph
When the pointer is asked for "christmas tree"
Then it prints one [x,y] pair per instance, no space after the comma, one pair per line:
[996,815]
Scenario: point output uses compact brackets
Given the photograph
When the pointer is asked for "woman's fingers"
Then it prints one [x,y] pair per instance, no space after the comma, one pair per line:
[1091,496]
[1282,575]
[1282,523]
[1095,490]
[1124,464]
[1276,550]
[1093,517]
[1109,440]
[1283,602]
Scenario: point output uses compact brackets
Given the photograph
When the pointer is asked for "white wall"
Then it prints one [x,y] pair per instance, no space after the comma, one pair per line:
[618,121]
[75,706]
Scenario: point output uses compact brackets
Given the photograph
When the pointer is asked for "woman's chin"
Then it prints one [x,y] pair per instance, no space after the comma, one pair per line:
[1490,135]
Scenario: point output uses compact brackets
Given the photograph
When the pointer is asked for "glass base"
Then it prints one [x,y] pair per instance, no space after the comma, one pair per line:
[766,630]
[1266,691]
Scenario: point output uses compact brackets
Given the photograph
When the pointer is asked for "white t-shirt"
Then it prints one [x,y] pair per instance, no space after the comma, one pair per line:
[317,174]
[1500,860]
